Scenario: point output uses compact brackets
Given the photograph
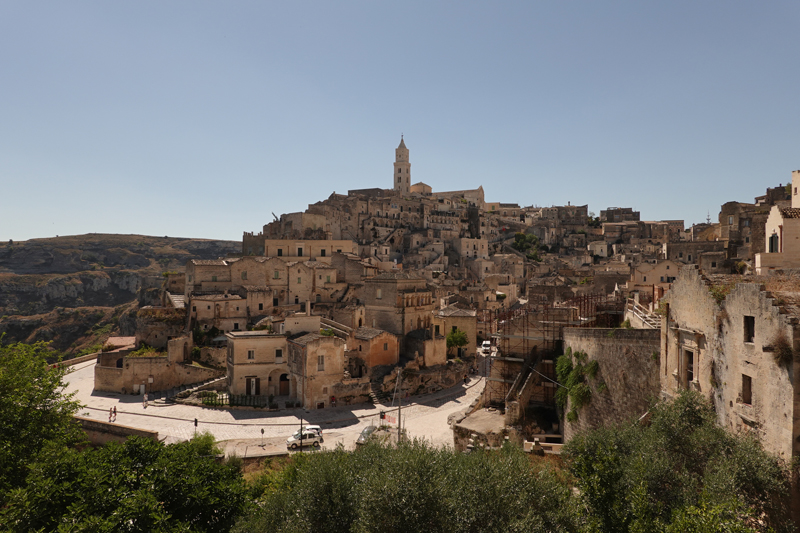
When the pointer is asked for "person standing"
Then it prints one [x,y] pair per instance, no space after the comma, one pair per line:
[110,413]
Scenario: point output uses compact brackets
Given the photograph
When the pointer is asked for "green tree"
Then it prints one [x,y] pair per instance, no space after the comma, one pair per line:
[138,486]
[413,487]
[33,409]
[681,470]
[456,339]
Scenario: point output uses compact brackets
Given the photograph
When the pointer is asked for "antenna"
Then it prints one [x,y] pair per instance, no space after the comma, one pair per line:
[273,214]
[708,217]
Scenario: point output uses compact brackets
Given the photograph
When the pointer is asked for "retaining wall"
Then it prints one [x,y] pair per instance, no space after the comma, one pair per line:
[629,362]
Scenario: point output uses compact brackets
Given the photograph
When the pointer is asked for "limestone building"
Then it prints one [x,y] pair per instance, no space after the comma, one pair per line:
[734,339]
[402,169]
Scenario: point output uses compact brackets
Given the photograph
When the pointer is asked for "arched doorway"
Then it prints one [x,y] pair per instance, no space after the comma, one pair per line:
[283,389]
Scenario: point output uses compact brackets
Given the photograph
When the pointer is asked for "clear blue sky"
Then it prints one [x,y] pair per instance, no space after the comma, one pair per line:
[199,119]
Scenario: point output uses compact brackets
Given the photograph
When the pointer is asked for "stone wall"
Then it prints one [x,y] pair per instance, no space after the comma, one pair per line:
[138,370]
[99,433]
[629,362]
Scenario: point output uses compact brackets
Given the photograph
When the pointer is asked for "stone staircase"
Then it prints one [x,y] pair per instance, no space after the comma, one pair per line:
[648,320]
[169,395]
[376,393]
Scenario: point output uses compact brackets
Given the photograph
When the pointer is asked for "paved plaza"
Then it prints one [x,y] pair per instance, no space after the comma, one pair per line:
[240,430]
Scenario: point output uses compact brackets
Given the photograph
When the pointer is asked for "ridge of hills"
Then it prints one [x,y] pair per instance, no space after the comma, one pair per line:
[78,290]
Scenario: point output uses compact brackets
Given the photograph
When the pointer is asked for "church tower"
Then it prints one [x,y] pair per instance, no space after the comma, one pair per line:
[402,169]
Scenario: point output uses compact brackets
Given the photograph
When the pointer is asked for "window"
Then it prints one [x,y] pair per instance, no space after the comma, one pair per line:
[213,278]
[251,354]
[320,363]
[690,257]
[299,281]
[378,294]
[260,307]
[322,253]
[276,274]
[280,252]
[274,302]
[689,362]
[713,264]
[244,274]
[667,267]
[385,346]
[194,308]
[319,298]
[327,279]
[749,328]
[208,307]
[455,328]
[730,220]
[645,278]
[299,252]
[747,389]
[680,254]
[278,354]
[773,243]
[235,326]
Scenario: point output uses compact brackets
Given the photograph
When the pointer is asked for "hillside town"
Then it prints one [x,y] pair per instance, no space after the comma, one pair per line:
[385,294]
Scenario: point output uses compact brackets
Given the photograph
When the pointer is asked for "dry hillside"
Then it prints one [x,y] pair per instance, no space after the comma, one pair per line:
[77,290]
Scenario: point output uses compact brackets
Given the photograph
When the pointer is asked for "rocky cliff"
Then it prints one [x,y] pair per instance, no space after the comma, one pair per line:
[66,289]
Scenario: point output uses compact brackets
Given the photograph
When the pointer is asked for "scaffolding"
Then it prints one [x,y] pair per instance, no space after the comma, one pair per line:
[533,333]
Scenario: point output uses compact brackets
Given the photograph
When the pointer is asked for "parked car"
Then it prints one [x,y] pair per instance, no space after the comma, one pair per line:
[309,438]
[366,434]
[316,429]
[486,347]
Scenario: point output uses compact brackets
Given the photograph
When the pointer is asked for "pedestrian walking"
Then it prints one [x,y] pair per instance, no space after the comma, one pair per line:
[110,414]
[466,379]
[144,402]
[115,413]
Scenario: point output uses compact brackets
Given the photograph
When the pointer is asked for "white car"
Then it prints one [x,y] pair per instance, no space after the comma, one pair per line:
[309,438]
[486,347]
[316,429]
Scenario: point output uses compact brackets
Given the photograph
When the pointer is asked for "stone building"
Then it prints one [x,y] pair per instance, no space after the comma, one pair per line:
[619,214]
[402,169]
[454,318]
[398,302]
[781,250]
[734,340]
[226,312]
[121,371]
[374,347]
[305,250]
[257,364]
[317,365]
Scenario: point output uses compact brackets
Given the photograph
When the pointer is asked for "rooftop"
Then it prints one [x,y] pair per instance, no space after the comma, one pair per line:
[366,334]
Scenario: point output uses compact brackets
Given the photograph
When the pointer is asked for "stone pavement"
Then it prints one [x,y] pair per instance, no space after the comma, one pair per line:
[424,417]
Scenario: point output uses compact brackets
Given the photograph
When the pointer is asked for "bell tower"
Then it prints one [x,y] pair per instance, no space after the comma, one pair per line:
[402,169]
